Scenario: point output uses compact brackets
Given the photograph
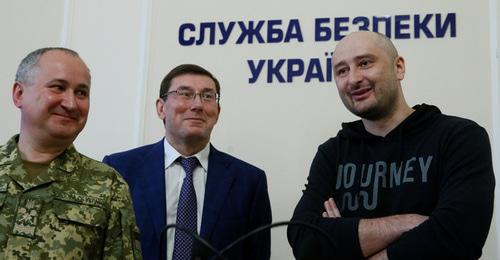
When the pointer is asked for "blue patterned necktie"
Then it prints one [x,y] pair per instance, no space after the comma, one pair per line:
[186,212]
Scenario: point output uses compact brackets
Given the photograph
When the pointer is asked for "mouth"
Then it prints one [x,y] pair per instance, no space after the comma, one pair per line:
[67,116]
[361,93]
[195,119]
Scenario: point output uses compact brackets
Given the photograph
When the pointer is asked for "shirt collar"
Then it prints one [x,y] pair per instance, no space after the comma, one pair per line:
[171,155]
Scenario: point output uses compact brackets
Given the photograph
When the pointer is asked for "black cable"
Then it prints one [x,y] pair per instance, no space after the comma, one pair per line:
[191,233]
[272,225]
[220,254]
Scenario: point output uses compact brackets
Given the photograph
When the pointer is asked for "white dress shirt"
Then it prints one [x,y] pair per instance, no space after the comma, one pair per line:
[174,176]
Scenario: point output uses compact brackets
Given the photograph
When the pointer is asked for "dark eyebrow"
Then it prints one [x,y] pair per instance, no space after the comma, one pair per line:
[356,58]
[190,88]
[66,83]
[364,56]
[61,81]
[84,86]
[338,64]
[184,87]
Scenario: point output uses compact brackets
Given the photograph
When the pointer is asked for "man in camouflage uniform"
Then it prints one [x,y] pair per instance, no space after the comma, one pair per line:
[56,203]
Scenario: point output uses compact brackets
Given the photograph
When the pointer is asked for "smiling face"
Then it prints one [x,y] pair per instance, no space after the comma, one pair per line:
[367,73]
[188,121]
[55,102]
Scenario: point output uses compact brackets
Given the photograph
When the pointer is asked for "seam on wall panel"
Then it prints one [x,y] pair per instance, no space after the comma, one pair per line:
[67,23]
[142,80]
[495,104]
[495,80]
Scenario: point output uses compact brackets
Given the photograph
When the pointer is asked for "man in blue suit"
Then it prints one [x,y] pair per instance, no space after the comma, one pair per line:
[231,195]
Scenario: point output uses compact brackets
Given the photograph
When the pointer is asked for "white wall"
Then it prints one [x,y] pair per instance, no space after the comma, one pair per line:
[25,26]
[492,245]
[113,42]
[130,45]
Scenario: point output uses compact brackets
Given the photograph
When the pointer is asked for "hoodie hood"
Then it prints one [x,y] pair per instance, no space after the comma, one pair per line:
[422,116]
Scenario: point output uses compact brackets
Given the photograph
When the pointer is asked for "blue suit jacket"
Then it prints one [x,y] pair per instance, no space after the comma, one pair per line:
[236,200]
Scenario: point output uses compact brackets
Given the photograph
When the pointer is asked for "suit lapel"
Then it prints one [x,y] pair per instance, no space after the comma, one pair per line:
[153,185]
[219,182]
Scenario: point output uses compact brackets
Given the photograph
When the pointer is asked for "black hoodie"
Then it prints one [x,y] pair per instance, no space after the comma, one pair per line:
[430,164]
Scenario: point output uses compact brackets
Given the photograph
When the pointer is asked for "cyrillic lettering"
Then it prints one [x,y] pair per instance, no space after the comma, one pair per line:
[338,27]
[182,29]
[294,31]
[275,70]
[329,65]
[365,23]
[274,35]
[250,32]
[295,67]
[449,22]
[387,22]
[211,38]
[322,34]
[400,26]
[422,26]
[255,70]
[225,32]
[314,71]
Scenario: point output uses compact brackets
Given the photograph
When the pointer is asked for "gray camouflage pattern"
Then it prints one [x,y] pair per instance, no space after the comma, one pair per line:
[79,209]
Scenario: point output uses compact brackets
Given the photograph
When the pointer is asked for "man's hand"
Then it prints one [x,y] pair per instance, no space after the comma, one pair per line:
[331,210]
[377,233]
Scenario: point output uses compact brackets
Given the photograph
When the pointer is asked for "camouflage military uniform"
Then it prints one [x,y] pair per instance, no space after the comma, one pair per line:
[78,209]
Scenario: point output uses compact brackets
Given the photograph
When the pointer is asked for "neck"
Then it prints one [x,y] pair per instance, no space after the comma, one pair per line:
[383,126]
[187,148]
[39,152]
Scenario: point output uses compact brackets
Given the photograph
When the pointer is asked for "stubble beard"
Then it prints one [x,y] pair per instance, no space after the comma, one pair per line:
[380,108]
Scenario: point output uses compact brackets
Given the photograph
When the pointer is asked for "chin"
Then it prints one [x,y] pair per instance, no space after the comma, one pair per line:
[358,110]
[66,133]
[363,107]
[372,114]
[196,136]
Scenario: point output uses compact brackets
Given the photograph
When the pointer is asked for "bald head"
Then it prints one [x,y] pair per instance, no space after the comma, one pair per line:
[29,65]
[375,39]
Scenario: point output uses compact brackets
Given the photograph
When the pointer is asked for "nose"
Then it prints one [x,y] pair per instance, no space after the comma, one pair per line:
[196,103]
[355,76]
[68,100]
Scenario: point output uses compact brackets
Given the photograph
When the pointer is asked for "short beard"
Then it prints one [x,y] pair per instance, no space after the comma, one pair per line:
[379,110]
[372,113]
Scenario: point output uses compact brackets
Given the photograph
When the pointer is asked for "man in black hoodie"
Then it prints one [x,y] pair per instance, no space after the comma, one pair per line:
[402,182]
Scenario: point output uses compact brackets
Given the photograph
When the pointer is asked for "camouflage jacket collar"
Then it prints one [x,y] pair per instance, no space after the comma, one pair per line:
[66,162]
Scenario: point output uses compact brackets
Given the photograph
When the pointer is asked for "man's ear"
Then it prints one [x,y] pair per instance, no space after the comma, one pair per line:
[160,104]
[399,64]
[218,114]
[17,94]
